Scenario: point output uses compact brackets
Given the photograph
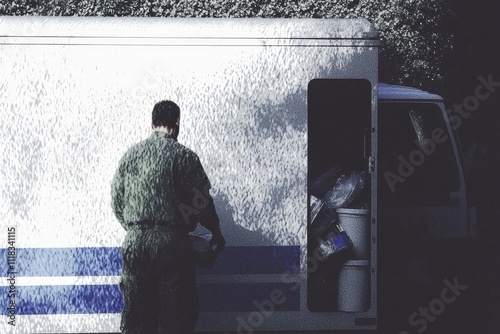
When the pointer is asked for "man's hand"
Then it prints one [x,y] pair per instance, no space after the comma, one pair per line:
[217,242]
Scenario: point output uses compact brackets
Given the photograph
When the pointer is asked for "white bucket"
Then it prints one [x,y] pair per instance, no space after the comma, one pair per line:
[356,224]
[354,286]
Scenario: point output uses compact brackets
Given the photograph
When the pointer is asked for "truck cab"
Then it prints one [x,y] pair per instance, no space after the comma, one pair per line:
[422,189]
[426,221]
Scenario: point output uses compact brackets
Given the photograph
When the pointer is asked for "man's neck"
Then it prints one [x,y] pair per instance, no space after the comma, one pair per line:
[164,129]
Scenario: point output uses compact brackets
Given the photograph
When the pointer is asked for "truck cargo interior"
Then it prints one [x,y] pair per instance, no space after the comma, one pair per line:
[339,131]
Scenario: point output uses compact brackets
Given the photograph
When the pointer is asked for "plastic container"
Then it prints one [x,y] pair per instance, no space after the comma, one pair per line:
[356,223]
[354,286]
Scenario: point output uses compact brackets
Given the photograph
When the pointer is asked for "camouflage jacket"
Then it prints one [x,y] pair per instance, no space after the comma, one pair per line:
[159,179]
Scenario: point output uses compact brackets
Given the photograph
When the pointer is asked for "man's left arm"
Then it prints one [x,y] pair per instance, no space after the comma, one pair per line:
[117,195]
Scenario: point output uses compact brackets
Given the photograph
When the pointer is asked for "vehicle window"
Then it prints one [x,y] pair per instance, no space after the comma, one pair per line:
[417,165]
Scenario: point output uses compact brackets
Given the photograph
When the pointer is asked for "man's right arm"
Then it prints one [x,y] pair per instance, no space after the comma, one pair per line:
[204,212]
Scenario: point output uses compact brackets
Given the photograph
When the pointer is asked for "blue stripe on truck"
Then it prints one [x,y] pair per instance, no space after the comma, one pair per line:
[99,261]
[256,260]
[93,299]
[106,261]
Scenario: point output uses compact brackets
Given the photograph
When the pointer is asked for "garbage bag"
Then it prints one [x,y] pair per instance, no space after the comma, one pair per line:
[315,206]
[320,185]
[324,220]
[345,190]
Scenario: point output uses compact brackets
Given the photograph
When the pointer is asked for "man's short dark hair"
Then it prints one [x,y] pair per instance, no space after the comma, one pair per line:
[166,113]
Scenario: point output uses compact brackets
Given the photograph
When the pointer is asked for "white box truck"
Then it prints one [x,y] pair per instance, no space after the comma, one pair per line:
[269,105]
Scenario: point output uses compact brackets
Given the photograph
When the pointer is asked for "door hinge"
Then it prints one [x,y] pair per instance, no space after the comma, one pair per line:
[371,164]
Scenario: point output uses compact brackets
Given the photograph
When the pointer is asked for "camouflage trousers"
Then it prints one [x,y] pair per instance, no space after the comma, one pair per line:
[158,282]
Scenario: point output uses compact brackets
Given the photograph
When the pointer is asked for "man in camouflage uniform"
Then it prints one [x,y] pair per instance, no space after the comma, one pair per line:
[159,193]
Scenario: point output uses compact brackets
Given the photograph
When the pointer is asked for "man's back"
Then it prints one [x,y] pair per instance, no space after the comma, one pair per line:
[154,177]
